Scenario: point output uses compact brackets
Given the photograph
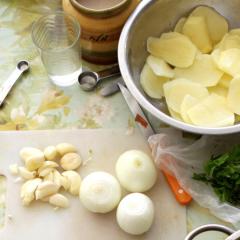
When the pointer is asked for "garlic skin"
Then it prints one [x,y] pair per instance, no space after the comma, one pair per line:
[136,171]
[135,213]
[100,192]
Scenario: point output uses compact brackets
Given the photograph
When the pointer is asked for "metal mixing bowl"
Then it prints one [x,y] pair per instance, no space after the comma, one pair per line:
[151,18]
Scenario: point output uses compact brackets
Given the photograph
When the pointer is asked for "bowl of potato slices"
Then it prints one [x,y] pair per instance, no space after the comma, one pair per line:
[181,61]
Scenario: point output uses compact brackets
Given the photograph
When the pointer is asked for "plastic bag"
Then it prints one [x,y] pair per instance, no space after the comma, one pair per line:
[182,157]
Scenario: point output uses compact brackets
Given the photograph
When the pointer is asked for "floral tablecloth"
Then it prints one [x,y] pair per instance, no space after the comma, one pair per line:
[35,103]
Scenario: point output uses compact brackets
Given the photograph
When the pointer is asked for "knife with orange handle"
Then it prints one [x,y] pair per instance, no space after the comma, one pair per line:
[181,196]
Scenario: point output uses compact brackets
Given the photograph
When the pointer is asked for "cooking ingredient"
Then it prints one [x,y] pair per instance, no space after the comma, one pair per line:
[176,90]
[70,161]
[217,24]
[100,192]
[136,171]
[187,103]
[26,152]
[26,174]
[225,80]
[49,177]
[13,168]
[135,213]
[197,30]
[74,181]
[45,172]
[152,84]
[174,114]
[229,61]
[45,189]
[229,41]
[203,71]
[48,164]
[59,200]
[57,178]
[219,90]
[64,148]
[222,173]
[65,183]
[233,97]
[212,111]
[174,48]
[160,67]
[180,24]
[34,162]
[50,153]
[28,190]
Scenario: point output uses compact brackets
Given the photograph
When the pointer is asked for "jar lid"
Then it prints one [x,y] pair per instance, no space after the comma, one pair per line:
[101,13]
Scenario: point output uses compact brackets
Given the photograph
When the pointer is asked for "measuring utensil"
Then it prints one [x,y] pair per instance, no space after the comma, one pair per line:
[88,80]
[145,127]
[232,235]
[6,87]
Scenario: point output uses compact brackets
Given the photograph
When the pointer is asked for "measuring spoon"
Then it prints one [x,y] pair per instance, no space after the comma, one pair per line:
[88,80]
[21,67]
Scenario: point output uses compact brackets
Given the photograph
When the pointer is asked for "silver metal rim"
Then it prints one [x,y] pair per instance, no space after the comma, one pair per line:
[210,227]
[122,58]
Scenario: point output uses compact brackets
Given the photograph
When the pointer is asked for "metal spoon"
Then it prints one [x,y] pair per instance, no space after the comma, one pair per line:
[88,80]
[21,67]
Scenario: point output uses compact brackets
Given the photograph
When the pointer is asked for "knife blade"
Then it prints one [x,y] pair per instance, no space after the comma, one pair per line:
[146,129]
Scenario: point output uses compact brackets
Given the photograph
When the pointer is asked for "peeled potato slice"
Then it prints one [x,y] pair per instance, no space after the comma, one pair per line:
[219,90]
[217,24]
[216,56]
[176,90]
[235,31]
[175,115]
[233,97]
[196,29]
[203,71]
[152,84]
[225,80]
[212,112]
[180,24]
[160,67]
[187,103]
[229,61]
[174,48]
[229,41]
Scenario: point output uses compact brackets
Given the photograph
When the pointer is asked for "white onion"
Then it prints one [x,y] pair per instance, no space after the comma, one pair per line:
[136,171]
[100,192]
[135,213]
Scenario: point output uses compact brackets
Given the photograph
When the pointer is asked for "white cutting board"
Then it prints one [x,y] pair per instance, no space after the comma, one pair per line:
[40,221]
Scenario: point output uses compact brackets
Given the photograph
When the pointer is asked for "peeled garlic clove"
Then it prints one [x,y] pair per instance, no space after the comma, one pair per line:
[13,169]
[26,174]
[26,152]
[59,200]
[75,181]
[28,190]
[48,164]
[64,148]
[49,177]
[57,178]
[70,161]
[50,153]
[45,189]
[65,183]
[45,172]
[34,162]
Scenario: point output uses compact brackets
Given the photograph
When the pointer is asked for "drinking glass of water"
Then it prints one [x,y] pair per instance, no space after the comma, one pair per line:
[57,37]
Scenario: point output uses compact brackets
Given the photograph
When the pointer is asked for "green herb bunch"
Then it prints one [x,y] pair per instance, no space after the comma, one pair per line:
[223,174]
